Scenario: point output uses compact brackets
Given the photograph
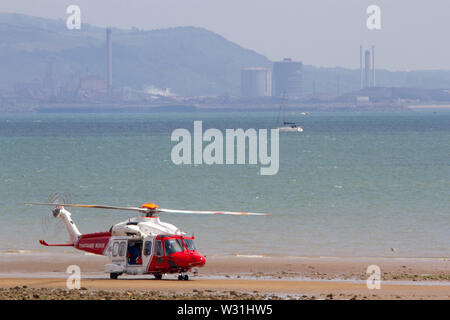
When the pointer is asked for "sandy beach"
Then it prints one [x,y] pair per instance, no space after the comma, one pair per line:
[235,277]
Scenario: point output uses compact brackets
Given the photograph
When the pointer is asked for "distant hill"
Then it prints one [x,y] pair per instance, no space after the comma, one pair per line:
[188,60]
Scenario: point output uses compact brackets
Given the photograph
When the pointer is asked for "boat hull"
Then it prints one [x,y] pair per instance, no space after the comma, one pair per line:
[290,129]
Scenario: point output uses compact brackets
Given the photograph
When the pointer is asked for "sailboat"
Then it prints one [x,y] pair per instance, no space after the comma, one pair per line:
[286,126]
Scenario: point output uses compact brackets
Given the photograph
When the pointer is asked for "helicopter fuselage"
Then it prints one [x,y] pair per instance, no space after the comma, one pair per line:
[140,245]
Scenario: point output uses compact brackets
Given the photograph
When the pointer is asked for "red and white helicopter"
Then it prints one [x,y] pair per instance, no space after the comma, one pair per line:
[139,245]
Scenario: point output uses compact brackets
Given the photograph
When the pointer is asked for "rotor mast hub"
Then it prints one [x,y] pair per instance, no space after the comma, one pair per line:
[152,209]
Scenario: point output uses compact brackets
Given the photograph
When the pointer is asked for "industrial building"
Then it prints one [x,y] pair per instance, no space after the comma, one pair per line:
[366,69]
[287,78]
[256,82]
[367,73]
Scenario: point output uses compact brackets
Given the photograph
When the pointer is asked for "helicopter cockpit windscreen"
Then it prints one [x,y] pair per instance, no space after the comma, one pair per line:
[172,246]
[190,244]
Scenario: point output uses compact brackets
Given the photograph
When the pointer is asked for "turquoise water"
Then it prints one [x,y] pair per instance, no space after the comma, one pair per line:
[352,184]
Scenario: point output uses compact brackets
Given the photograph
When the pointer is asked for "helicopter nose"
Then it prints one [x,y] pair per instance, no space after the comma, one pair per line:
[202,261]
[198,260]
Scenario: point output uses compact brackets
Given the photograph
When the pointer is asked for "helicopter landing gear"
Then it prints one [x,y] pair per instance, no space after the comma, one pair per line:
[183,277]
[114,275]
[158,276]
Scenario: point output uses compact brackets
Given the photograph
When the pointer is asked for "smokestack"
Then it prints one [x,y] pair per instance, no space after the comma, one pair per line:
[373,66]
[360,67]
[367,69]
[109,57]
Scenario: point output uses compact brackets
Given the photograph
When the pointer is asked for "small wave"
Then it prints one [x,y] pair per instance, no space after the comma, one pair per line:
[250,256]
[17,252]
[89,254]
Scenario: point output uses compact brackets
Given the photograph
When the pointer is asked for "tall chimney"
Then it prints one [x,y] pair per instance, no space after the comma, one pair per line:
[367,69]
[373,66]
[360,67]
[109,57]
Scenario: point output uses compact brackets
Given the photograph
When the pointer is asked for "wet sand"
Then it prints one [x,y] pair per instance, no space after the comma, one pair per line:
[38,277]
[124,288]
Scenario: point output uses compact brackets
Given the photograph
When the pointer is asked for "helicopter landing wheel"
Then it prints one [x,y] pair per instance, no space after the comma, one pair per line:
[113,275]
[158,276]
[183,277]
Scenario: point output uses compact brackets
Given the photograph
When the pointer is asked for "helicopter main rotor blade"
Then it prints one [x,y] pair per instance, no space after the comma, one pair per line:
[148,210]
[89,206]
[215,212]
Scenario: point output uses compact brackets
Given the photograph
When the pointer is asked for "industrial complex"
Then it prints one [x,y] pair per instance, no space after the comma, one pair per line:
[261,88]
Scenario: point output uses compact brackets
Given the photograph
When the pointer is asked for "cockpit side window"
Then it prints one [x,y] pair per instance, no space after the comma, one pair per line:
[180,242]
[190,244]
[172,246]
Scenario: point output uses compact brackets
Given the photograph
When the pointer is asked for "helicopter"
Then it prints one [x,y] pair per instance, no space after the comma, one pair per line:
[140,245]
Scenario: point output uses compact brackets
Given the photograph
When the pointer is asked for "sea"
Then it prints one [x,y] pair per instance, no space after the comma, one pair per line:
[352,184]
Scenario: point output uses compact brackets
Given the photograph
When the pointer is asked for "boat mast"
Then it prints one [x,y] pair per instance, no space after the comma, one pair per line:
[282,107]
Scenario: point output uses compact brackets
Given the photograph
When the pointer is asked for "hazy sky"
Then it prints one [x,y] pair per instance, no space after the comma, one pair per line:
[414,33]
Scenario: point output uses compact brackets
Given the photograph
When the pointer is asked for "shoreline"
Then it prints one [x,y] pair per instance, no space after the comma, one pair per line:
[249,266]
[25,275]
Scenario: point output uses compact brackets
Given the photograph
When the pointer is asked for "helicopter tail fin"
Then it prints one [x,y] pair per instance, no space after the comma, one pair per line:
[72,229]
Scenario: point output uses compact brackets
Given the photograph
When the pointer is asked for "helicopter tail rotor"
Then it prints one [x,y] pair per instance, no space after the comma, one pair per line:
[53,197]
[58,211]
